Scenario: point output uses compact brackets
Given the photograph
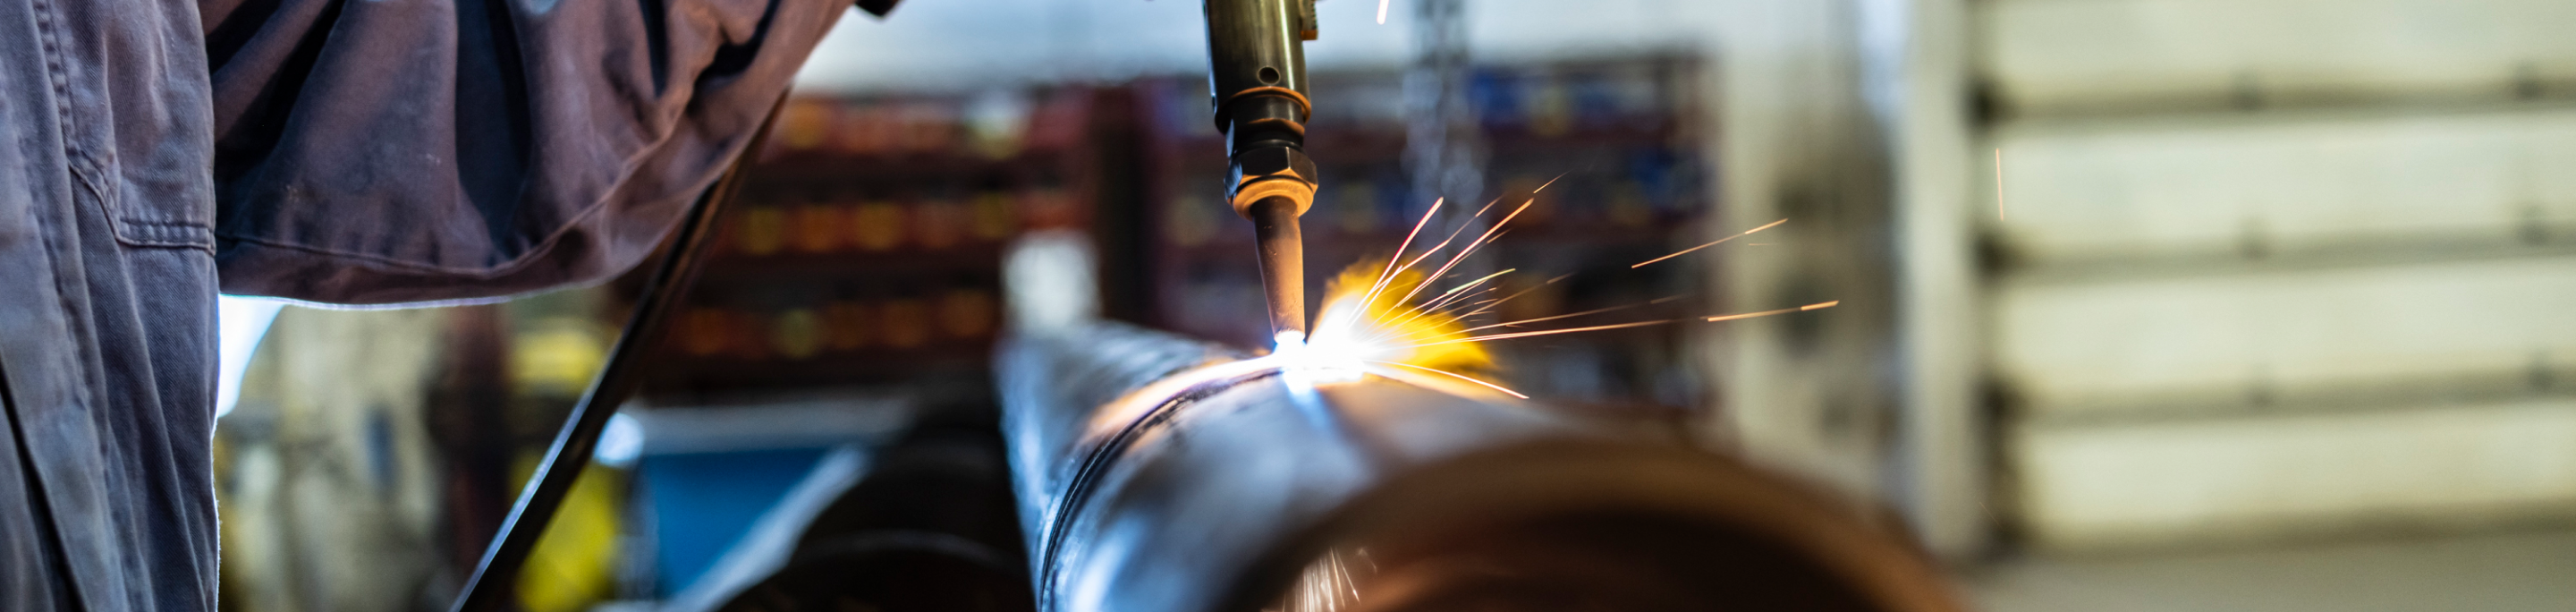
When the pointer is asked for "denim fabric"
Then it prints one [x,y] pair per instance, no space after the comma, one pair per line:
[364,152]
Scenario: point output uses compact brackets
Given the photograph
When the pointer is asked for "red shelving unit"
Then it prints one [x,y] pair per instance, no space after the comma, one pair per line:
[866,247]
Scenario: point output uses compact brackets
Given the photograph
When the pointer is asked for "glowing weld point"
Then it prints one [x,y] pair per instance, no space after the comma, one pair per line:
[1381,12]
[1289,349]
[1311,363]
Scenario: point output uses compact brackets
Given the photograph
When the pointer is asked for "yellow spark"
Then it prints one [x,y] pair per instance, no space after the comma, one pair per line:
[1353,328]
[1376,291]
[1439,306]
[1488,238]
[1448,299]
[1471,247]
[1550,332]
[1749,315]
[1479,281]
[1457,376]
[1358,331]
[1999,184]
[1543,186]
[1434,250]
[1552,318]
[1380,285]
[1719,241]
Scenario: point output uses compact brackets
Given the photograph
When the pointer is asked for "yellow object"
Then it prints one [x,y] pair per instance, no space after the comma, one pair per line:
[574,566]
[558,358]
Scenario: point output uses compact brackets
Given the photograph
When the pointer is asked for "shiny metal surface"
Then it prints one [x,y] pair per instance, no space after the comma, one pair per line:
[1158,474]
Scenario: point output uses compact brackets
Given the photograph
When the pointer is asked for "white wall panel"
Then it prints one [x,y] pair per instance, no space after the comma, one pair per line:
[2070,347]
[2047,55]
[2160,483]
[2281,267]
[2194,186]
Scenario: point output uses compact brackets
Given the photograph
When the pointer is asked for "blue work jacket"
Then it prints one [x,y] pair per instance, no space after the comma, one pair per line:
[153,152]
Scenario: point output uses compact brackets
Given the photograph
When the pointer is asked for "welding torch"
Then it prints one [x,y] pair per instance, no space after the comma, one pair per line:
[1257,84]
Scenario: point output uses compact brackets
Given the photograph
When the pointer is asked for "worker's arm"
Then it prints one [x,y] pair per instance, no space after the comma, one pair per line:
[387,151]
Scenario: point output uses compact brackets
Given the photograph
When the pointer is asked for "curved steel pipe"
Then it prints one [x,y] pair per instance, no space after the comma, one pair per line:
[1158,474]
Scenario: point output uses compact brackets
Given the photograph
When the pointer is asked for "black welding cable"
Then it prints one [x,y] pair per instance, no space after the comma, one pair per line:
[497,575]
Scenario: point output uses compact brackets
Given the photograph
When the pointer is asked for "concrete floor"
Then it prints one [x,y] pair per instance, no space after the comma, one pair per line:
[2533,571]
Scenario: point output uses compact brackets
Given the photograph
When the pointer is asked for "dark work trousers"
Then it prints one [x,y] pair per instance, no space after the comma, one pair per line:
[342,151]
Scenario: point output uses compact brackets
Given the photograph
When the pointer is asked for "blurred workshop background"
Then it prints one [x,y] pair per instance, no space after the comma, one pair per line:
[2176,305]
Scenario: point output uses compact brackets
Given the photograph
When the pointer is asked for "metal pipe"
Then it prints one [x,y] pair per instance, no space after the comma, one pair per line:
[495,577]
[1158,474]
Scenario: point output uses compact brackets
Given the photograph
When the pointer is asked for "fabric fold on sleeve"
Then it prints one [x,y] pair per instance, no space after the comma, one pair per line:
[374,152]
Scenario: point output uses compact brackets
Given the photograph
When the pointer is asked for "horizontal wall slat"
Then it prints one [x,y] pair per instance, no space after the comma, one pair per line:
[2068,55]
[2070,347]
[2160,484]
[2217,186]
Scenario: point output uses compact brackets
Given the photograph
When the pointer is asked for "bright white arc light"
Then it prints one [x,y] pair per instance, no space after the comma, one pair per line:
[1331,355]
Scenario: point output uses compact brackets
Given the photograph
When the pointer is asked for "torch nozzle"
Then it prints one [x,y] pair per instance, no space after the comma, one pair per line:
[1282,252]
[1257,90]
